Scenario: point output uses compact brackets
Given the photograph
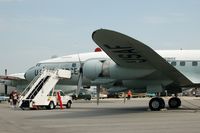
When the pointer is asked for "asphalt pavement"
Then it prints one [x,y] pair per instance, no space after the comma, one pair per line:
[111,116]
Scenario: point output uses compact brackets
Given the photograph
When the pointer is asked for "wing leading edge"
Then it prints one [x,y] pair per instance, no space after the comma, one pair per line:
[16,76]
[128,52]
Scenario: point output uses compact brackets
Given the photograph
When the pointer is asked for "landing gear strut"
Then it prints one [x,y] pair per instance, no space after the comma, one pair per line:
[156,104]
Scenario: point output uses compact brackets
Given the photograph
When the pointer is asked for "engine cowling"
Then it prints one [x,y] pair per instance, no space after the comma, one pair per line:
[92,69]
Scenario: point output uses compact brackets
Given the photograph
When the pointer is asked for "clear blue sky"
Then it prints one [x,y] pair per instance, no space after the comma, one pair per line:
[34,30]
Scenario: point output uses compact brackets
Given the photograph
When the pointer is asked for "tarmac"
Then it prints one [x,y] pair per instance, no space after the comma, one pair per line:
[111,116]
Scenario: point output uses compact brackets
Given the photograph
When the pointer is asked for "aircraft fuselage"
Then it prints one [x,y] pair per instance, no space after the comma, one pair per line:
[98,68]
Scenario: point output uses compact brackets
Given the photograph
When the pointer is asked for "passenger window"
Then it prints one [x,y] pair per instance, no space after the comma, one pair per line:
[182,63]
[173,63]
[73,64]
[194,63]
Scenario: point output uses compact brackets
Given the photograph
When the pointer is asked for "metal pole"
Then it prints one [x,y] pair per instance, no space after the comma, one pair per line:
[98,94]
[5,85]
[124,97]
[6,72]
[6,89]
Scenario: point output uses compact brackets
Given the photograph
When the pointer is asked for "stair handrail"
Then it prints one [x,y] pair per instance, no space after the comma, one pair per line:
[37,87]
[49,72]
[32,82]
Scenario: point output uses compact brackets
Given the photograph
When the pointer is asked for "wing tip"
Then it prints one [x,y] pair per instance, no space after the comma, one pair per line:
[99,31]
[93,34]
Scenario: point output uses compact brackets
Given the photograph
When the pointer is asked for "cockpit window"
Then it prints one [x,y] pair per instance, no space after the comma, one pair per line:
[173,63]
[194,63]
[38,64]
[182,63]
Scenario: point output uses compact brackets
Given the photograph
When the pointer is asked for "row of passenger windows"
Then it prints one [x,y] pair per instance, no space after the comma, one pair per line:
[182,63]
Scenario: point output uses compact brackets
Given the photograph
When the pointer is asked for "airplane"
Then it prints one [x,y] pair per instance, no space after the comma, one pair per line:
[124,63]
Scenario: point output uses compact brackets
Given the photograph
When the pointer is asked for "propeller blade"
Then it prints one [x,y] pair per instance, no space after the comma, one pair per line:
[80,81]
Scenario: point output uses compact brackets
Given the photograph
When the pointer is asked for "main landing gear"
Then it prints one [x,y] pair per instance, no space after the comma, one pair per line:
[157,103]
[174,102]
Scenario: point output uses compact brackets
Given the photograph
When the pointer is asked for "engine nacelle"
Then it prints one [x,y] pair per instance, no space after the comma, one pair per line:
[92,69]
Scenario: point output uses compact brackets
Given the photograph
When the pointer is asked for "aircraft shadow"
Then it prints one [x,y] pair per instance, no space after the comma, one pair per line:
[84,112]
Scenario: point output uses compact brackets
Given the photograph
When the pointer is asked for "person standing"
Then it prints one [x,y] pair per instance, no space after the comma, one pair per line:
[129,94]
[14,98]
[11,98]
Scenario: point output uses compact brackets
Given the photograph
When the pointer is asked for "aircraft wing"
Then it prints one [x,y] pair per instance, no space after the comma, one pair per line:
[15,80]
[17,76]
[128,52]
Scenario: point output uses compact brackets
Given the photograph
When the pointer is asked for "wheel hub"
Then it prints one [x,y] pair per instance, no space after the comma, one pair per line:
[174,103]
[51,106]
[155,104]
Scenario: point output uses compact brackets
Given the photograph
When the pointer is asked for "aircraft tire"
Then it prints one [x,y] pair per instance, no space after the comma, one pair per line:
[68,105]
[51,105]
[174,102]
[156,103]
[162,103]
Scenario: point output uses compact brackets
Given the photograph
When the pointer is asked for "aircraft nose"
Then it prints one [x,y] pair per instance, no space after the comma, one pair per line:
[30,74]
[25,75]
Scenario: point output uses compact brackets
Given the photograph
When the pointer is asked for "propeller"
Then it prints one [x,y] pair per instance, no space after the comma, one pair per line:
[80,82]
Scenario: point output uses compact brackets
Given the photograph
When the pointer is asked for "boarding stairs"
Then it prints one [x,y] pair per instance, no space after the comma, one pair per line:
[41,85]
